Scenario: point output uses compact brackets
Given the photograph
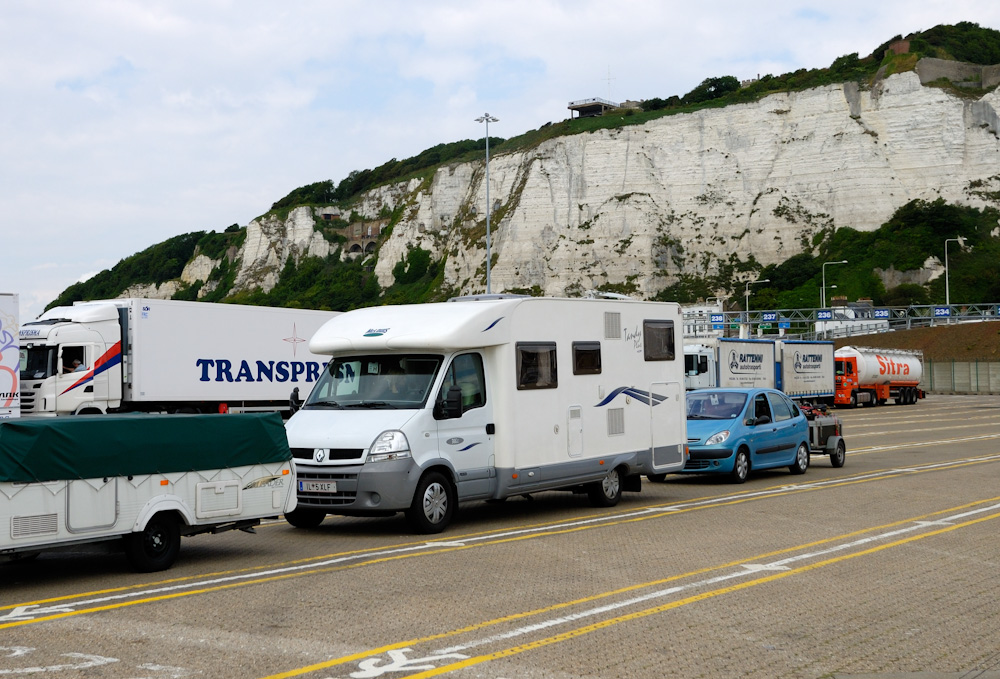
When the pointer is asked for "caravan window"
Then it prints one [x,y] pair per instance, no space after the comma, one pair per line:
[586,358]
[466,372]
[536,365]
[658,340]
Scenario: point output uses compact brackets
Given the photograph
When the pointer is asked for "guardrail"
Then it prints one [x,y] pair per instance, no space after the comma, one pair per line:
[832,322]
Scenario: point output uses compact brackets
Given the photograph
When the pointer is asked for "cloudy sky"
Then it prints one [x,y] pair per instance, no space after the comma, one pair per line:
[125,123]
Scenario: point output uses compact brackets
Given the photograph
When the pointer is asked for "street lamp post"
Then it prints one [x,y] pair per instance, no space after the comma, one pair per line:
[746,306]
[487,118]
[947,288]
[822,295]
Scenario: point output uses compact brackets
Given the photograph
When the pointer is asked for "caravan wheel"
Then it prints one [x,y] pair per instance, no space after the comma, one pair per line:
[156,547]
[606,492]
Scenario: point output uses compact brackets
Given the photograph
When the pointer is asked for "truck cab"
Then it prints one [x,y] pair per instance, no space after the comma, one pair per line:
[71,362]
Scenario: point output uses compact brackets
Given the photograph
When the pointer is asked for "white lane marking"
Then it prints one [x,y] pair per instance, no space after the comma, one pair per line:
[741,571]
[28,612]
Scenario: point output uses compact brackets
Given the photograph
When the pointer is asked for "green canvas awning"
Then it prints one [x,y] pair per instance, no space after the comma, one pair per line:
[97,446]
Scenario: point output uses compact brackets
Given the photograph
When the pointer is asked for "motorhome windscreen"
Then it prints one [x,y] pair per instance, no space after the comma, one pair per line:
[376,381]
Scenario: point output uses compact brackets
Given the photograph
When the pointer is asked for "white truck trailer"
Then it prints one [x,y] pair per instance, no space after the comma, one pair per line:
[138,483]
[800,369]
[425,406]
[147,355]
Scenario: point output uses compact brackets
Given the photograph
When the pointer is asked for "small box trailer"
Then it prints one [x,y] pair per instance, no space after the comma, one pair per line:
[139,482]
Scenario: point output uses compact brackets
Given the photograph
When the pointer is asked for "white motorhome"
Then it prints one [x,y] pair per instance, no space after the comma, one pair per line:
[154,355]
[138,483]
[424,406]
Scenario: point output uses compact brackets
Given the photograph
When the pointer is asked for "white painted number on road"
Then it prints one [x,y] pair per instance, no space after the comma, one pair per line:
[398,662]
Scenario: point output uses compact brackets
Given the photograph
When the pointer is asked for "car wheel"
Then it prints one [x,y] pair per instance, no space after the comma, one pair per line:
[606,492]
[155,547]
[741,466]
[657,478]
[305,518]
[801,463]
[433,504]
[838,456]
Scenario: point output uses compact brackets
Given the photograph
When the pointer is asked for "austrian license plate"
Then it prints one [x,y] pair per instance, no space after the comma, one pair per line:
[318,486]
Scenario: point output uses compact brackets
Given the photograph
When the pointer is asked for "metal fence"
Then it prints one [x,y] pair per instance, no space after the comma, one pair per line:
[961,377]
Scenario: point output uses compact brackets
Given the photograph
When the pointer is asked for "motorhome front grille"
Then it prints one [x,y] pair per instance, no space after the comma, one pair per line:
[330,454]
[612,325]
[616,421]
[40,524]
[347,489]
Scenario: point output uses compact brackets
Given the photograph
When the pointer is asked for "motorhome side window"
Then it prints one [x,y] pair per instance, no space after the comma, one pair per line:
[658,340]
[586,358]
[536,365]
[466,372]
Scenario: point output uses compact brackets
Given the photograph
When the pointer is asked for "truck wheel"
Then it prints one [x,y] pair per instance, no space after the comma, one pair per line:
[606,492]
[154,548]
[433,504]
[801,463]
[854,399]
[305,518]
[838,456]
[656,478]
[741,466]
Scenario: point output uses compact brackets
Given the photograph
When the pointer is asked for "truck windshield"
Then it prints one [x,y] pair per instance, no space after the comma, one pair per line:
[37,363]
[375,381]
[715,405]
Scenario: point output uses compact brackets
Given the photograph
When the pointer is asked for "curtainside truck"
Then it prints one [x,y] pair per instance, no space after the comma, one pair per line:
[166,356]
[800,369]
[138,483]
[425,406]
[873,376]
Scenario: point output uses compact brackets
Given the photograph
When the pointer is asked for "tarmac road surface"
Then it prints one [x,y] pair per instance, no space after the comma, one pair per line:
[888,566]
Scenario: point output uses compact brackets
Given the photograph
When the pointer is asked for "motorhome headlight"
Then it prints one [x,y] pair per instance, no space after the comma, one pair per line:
[716,439]
[389,445]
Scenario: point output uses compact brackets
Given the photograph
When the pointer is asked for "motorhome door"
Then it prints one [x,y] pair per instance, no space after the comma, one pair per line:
[468,440]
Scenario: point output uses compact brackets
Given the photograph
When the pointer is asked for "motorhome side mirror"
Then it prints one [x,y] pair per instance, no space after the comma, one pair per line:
[453,401]
[451,405]
[294,403]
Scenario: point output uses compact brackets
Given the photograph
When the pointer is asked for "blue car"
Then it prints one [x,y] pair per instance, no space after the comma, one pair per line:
[732,431]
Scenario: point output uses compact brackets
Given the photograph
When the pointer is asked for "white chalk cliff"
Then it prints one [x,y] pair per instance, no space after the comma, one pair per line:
[637,205]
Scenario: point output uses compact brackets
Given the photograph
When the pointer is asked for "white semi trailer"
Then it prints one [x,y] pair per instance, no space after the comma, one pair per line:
[800,369]
[147,355]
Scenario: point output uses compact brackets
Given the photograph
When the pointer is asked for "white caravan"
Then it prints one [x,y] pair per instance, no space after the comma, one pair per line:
[137,483]
[425,406]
